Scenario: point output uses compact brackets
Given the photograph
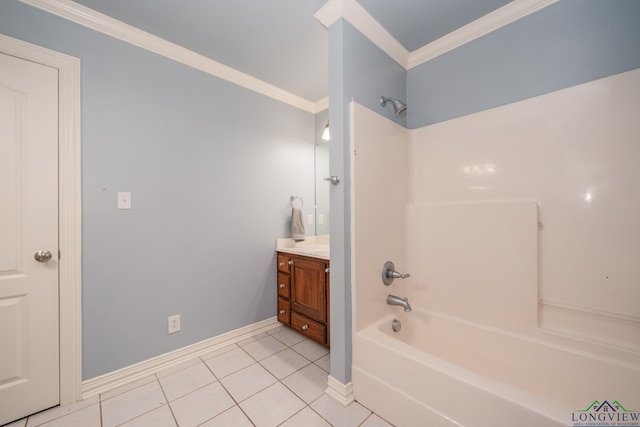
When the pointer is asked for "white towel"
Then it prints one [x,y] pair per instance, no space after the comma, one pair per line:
[297,225]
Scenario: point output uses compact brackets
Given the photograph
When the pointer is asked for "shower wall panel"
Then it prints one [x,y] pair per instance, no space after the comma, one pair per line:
[575,152]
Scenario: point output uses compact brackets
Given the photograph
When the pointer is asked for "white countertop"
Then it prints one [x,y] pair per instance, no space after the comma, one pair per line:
[312,246]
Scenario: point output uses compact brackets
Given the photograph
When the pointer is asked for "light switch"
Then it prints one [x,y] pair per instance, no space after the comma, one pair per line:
[320,219]
[124,200]
[309,219]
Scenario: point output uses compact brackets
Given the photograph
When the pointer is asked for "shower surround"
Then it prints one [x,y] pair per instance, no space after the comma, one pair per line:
[519,228]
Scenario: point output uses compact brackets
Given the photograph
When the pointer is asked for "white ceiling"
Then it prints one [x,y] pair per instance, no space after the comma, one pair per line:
[279,41]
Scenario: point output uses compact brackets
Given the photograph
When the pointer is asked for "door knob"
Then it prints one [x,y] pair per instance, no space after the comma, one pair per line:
[42,256]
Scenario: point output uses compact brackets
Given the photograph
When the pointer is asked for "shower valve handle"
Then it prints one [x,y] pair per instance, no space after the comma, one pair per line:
[396,275]
[389,273]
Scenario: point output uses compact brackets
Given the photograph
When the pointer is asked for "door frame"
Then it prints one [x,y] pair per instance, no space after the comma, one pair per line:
[69,208]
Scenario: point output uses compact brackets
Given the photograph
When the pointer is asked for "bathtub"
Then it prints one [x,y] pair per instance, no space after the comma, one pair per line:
[439,370]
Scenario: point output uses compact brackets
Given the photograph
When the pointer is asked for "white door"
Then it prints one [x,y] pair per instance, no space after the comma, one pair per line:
[29,335]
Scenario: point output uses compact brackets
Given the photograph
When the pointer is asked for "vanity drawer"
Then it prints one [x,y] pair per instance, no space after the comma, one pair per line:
[284,285]
[283,263]
[309,328]
[284,311]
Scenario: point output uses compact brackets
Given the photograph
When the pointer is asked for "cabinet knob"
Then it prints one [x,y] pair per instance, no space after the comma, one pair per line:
[327,270]
[290,262]
[305,327]
[283,311]
[281,285]
[281,264]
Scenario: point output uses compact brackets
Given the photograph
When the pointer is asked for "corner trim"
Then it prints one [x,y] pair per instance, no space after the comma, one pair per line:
[321,105]
[353,12]
[343,393]
[112,380]
[89,18]
[69,208]
[378,35]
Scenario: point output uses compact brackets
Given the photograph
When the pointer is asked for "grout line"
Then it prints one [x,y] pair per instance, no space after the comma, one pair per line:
[201,359]
[227,391]
[167,398]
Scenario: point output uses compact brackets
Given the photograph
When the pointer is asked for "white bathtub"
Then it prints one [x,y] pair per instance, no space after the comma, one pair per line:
[443,371]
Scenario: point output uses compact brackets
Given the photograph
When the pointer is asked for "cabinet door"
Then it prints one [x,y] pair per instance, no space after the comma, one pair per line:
[309,288]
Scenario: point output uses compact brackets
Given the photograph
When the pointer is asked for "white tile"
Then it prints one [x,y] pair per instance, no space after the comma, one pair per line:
[284,363]
[309,383]
[219,351]
[129,386]
[264,348]
[179,367]
[288,336]
[233,417]
[276,328]
[271,406]
[307,418]
[161,417]
[87,417]
[338,415]
[201,405]
[311,350]
[247,382]
[60,411]
[229,362]
[132,404]
[252,338]
[375,421]
[185,381]
[325,363]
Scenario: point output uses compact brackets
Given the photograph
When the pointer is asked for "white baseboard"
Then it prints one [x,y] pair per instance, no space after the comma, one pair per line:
[112,380]
[343,393]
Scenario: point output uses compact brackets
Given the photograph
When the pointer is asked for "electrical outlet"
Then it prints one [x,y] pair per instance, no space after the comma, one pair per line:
[174,324]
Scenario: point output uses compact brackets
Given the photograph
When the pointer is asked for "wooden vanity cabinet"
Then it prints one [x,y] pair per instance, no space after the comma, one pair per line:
[303,295]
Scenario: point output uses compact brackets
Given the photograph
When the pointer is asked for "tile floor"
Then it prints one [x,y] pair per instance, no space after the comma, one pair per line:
[277,378]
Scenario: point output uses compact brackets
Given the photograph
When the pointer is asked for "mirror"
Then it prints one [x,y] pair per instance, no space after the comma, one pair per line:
[321,156]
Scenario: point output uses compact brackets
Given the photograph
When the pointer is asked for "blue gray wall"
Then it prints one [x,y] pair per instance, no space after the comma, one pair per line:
[210,166]
[565,44]
[357,70]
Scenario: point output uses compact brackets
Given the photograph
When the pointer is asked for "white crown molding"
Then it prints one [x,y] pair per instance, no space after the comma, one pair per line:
[330,12]
[499,18]
[353,12]
[89,18]
[321,105]
[357,16]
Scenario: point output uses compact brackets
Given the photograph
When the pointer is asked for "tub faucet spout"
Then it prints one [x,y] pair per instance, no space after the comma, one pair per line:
[402,302]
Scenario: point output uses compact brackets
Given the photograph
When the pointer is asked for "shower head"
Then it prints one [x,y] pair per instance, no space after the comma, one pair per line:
[399,106]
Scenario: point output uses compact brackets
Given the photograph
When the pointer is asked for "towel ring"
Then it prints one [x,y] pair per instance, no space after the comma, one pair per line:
[294,198]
